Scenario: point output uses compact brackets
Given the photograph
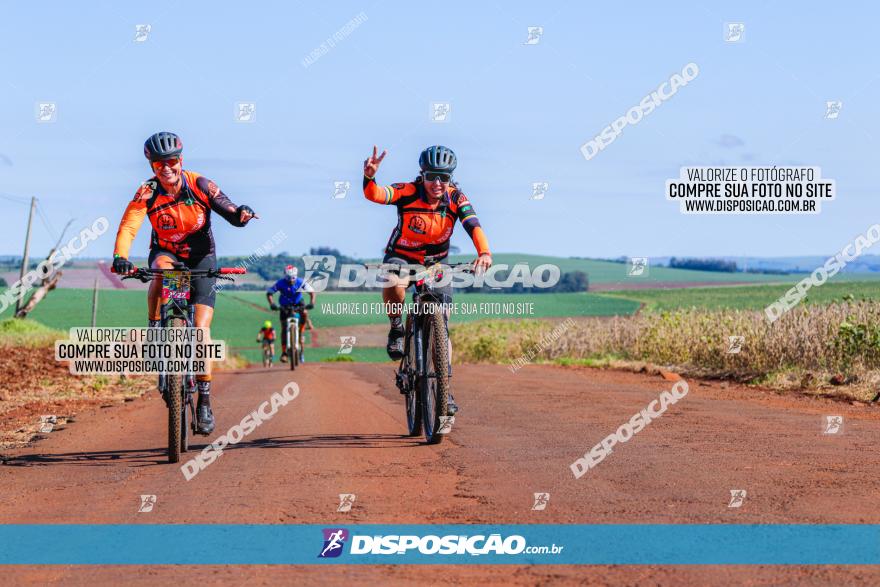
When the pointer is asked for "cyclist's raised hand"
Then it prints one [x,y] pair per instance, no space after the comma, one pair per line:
[482,263]
[371,163]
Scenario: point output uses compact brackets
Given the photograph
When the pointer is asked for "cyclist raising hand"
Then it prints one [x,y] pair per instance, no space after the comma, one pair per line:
[178,204]
[427,209]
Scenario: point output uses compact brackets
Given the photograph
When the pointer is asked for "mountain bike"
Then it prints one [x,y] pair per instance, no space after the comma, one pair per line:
[424,373]
[293,340]
[176,312]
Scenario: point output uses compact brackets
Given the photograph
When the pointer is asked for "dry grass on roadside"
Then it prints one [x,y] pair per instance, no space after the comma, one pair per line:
[809,346]
[33,384]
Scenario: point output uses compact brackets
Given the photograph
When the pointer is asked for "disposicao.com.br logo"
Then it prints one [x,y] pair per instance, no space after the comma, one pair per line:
[452,544]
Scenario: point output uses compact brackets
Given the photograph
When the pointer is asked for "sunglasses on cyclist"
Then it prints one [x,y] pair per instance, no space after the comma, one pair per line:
[165,163]
[443,177]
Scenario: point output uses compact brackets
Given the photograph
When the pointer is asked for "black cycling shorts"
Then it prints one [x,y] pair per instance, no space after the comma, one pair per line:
[202,289]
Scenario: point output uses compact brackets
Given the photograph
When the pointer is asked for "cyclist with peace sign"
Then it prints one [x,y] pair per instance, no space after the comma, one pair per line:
[427,209]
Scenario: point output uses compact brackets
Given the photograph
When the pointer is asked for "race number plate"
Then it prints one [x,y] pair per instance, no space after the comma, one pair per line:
[175,286]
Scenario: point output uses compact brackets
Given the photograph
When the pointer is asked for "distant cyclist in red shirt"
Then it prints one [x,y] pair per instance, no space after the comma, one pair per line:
[178,204]
[266,335]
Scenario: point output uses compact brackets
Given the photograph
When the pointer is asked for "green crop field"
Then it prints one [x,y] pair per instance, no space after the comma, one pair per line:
[240,314]
[607,272]
[749,297]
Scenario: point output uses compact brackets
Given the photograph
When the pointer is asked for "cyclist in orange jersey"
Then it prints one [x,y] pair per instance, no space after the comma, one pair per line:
[427,209]
[178,204]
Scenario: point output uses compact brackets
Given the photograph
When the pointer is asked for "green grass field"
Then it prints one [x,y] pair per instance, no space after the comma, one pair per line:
[605,272]
[240,313]
[237,320]
[750,297]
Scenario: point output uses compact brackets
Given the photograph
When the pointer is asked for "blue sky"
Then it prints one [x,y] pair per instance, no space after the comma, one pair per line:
[519,115]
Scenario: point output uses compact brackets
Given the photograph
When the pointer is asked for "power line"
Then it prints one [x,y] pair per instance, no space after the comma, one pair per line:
[17,199]
[52,232]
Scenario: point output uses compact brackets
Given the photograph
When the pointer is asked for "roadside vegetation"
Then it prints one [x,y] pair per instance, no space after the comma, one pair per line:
[812,346]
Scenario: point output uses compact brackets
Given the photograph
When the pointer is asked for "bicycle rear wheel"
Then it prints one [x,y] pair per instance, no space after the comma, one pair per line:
[435,385]
[175,393]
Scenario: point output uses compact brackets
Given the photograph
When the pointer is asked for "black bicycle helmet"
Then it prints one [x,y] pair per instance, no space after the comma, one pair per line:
[163,145]
[438,159]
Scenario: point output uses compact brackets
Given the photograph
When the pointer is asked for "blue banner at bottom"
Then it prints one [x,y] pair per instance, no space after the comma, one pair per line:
[599,544]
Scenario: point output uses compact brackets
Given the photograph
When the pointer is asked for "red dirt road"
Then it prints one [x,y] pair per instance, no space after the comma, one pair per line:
[517,434]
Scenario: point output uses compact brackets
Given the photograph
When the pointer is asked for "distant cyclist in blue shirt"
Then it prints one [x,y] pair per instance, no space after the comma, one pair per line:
[291,288]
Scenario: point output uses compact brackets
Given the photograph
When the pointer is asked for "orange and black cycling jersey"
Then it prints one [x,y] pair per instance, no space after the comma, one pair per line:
[267,334]
[182,223]
[423,229]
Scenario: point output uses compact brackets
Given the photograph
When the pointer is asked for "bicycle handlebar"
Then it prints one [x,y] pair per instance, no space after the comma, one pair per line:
[145,273]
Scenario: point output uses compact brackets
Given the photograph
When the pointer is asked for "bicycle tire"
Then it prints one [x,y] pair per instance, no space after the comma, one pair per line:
[413,395]
[435,402]
[294,353]
[184,433]
[175,405]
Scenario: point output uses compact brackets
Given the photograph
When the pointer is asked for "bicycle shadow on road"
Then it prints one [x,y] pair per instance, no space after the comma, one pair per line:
[332,441]
[159,456]
[136,457]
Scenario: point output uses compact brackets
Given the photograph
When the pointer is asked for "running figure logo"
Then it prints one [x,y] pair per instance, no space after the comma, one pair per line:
[734,32]
[47,112]
[141,32]
[340,189]
[535,34]
[446,423]
[735,344]
[638,266]
[346,344]
[541,501]
[346,500]
[245,112]
[47,423]
[539,189]
[440,111]
[737,497]
[147,503]
[334,540]
[319,268]
[832,109]
[833,425]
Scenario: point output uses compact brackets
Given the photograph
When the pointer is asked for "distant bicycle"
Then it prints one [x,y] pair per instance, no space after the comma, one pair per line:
[176,312]
[266,336]
[293,340]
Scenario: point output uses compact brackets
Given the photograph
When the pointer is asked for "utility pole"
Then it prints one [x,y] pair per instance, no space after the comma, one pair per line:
[95,305]
[24,260]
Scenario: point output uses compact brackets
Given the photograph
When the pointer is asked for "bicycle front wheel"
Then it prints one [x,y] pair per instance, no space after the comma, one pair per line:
[407,372]
[435,384]
[175,392]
